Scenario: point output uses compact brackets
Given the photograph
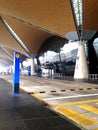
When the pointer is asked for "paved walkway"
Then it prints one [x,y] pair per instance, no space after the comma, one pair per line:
[24,112]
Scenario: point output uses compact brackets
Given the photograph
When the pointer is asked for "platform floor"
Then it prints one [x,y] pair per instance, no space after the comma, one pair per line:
[24,112]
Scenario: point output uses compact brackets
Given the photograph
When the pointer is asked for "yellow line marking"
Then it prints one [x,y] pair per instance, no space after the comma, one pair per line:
[85,89]
[77,89]
[36,92]
[58,91]
[40,99]
[73,103]
[67,90]
[95,129]
[77,117]
[48,91]
[93,89]
[89,108]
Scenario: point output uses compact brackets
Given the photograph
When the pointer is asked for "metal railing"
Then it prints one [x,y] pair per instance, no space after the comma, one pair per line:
[62,76]
[93,76]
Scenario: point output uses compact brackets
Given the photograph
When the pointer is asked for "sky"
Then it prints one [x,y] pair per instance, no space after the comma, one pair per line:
[66,49]
[96,40]
[69,47]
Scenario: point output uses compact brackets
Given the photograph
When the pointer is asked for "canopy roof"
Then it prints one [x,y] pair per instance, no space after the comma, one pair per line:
[90,15]
[34,21]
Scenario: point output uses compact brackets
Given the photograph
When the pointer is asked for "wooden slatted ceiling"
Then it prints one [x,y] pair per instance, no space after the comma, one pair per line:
[7,40]
[3,54]
[90,14]
[11,51]
[53,15]
[3,64]
[6,61]
[33,38]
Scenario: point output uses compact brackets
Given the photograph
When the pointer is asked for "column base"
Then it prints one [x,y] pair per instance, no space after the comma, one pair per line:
[16,88]
[81,80]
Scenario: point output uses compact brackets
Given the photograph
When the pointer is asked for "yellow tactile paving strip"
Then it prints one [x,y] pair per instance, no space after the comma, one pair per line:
[73,115]
[75,103]
[77,117]
[89,108]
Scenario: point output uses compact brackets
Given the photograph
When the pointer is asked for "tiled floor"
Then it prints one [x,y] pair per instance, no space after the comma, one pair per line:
[24,112]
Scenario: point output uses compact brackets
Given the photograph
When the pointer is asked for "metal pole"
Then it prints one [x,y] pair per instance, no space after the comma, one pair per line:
[18,40]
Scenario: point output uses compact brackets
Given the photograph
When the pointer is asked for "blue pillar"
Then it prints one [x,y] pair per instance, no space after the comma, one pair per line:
[16,76]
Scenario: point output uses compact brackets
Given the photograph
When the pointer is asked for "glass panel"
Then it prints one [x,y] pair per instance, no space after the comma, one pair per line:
[61,63]
[96,45]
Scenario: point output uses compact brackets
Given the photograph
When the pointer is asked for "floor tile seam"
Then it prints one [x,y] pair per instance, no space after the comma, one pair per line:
[37,118]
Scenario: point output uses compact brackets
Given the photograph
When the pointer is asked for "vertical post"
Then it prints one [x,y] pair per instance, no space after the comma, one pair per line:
[81,68]
[29,70]
[32,66]
[16,76]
